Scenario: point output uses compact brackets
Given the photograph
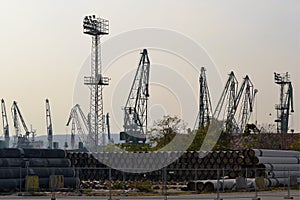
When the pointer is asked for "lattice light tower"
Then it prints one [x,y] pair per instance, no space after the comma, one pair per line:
[96,27]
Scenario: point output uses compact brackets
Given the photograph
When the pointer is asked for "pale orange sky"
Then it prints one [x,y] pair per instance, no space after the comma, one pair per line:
[42,48]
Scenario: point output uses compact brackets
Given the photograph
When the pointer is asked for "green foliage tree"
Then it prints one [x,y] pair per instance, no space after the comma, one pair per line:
[198,140]
[295,145]
[223,141]
[135,148]
[164,131]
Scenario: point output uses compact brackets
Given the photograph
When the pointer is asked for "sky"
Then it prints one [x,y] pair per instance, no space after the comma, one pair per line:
[44,54]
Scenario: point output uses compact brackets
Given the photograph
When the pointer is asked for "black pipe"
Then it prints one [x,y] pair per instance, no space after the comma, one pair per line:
[32,153]
[40,172]
[35,162]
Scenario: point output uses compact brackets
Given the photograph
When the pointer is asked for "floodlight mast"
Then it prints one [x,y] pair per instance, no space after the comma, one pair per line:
[96,27]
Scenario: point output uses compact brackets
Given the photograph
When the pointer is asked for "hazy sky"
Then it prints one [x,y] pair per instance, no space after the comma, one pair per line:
[42,51]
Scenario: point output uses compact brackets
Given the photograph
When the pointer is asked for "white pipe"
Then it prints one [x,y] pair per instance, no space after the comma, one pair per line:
[279,160]
[281,167]
[283,174]
[276,153]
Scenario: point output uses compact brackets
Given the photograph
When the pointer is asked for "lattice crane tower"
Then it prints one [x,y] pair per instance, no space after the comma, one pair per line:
[286,105]
[205,108]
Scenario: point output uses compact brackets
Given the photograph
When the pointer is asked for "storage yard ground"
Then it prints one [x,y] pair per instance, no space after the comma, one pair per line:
[269,195]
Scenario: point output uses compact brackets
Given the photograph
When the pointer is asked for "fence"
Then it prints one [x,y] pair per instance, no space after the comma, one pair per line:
[249,184]
[119,184]
[194,173]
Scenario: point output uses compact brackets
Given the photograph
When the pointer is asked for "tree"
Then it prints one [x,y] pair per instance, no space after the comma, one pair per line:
[198,140]
[164,130]
[295,145]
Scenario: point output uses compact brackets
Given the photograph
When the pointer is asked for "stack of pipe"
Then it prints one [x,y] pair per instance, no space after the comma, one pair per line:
[16,164]
[190,165]
[276,167]
[213,185]
[280,166]
[87,166]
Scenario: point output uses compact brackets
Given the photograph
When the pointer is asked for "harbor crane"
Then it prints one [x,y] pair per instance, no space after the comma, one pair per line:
[22,139]
[49,125]
[228,97]
[80,122]
[247,93]
[286,105]
[5,124]
[135,110]
[231,97]
[205,106]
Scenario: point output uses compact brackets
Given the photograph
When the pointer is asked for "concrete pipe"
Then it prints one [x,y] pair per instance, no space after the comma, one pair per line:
[276,153]
[272,182]
[276,182]
[279,160]
[280,167]
[283,174]
[213,185]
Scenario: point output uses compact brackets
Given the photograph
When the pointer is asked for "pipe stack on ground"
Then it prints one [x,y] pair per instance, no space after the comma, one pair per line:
[16,164]
[281,166]
[190,166]
[276,167]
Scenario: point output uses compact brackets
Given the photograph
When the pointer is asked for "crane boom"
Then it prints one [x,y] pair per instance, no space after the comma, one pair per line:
[108,128]
[205,107]
[229,92]
[49,125]
[22,139]
[135,119]
[5,124]
[79,121]
[84,119]
[230,121]
[17,115]
[290,99]
[247,93]
[231,96]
